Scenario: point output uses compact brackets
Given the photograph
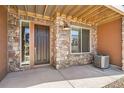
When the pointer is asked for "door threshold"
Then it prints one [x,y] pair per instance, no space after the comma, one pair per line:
[42,65]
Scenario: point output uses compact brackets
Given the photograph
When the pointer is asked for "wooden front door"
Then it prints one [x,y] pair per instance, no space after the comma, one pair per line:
[42,49]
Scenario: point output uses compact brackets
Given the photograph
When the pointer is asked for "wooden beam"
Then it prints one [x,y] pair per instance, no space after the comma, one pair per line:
[69,9]
[82,11]
[95,11]
[95,14]
[64,7]
[8,8]
[101,15]
[39,16]
[115,9]
[106,17]
[36,8]
[15,7]
[54,11]
[109,20]
[89,12]
[31,14]
[74,10]
[26,10]
[45,9]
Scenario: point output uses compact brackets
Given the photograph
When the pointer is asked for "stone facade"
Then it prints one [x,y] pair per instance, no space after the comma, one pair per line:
[123,43]
[14,50]
[63,56]
[13,43]
[60,55]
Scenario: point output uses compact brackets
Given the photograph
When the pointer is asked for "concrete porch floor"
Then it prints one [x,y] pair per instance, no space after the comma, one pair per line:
[86,76]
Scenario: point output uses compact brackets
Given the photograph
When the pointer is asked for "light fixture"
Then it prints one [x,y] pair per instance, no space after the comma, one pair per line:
[66,25]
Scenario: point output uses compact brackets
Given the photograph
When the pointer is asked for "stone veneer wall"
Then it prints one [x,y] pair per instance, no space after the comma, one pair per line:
[60,55]
[122,43]
[13,43]
[63,56]
[14,40]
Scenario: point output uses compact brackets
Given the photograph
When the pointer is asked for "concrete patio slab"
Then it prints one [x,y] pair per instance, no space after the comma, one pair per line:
[31,77]
[56,84]
[48,77]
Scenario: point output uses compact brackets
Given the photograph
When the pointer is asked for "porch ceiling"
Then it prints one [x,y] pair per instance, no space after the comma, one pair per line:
[90,14]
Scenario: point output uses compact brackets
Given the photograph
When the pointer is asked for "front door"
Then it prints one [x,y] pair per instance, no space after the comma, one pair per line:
[42,49]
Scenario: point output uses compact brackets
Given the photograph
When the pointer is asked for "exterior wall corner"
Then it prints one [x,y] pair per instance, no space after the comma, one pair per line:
[122,43]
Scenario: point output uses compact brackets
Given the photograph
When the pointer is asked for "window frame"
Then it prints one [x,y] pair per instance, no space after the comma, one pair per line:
[90,42]
[20,31]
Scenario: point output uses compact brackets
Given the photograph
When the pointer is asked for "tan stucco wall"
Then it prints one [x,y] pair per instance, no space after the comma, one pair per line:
[109,41]
[3,42]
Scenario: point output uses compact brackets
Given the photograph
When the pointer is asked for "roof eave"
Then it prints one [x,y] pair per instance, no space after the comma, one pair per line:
[115,9]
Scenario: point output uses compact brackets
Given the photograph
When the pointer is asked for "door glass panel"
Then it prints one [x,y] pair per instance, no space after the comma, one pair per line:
[25,41]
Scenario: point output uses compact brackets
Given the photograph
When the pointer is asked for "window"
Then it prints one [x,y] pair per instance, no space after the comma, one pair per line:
[25,42]
[85,40]
[80,40]
[76,40]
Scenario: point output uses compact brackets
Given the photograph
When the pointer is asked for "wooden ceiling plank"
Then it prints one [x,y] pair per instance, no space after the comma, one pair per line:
[109,19]
[70,10]
[54,11]
[64,7]
[114,9]
[16,8]
[101,15]
[45,10]
[96,13]
[82,11]
[36,8]
[26,10]
[74,10]
[104,18]
[89,12]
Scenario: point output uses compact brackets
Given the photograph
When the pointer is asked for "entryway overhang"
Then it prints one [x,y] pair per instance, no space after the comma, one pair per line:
[86,14]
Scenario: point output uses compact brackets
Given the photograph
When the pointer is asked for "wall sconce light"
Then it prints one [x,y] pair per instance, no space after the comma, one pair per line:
[66,25]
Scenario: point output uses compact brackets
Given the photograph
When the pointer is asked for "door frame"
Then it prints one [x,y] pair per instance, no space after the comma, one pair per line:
[32,42]
[36,47]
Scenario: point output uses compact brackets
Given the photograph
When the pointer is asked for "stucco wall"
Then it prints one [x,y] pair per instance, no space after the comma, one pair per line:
[3,42]
[109,41]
